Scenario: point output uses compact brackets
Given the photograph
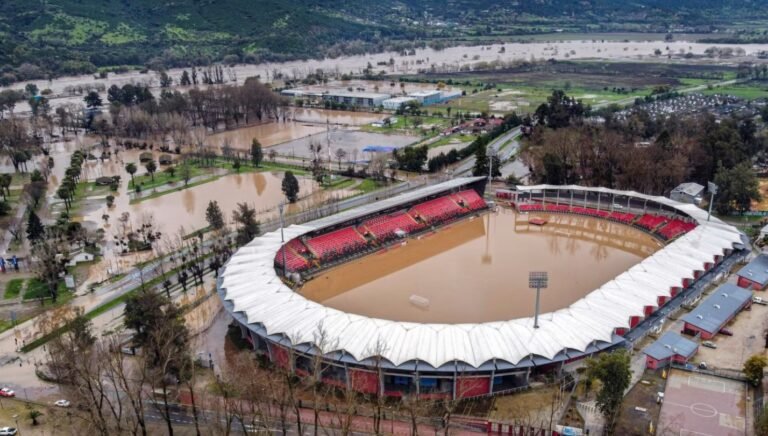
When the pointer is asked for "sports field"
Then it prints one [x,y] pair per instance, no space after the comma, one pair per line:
[702,405]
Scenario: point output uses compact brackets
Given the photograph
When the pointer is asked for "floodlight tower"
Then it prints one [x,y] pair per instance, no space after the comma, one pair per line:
[537,280]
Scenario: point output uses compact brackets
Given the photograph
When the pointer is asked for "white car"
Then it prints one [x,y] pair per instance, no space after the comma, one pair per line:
[8,431]
[709,344]
[62,403]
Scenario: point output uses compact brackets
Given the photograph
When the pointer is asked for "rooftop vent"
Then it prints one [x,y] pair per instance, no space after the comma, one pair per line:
[717,306]
[699,317]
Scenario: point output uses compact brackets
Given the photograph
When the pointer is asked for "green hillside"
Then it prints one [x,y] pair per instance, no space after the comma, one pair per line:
[40,38]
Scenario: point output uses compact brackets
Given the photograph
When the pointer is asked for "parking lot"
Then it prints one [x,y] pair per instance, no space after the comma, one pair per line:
[702,405]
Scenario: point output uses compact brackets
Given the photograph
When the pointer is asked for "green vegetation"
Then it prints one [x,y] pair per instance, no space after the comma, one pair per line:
[369,185]
[82,36]
[749,90]
[37,289]
[13,288]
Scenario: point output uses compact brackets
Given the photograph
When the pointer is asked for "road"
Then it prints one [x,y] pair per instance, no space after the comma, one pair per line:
[466,166]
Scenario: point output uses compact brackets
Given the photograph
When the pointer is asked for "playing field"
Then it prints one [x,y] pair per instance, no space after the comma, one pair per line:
[702,405]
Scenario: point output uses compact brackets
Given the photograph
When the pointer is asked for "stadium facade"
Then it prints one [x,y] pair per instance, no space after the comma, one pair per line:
[385,357]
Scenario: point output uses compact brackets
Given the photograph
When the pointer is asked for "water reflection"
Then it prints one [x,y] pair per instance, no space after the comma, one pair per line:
[477,270]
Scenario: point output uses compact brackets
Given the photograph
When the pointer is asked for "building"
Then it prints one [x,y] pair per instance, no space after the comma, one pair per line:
[427,98]
[396,102]
[393,358]
[356,99]
[712,314]
[692,193]
[446,96]
[670,347]
[754,275]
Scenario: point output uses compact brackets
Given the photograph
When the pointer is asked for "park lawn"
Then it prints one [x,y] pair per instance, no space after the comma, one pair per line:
[404,124]
[161,178]
[452,139]
[13,288]
[369,185]
[339,183]
[37,289]
[748,91]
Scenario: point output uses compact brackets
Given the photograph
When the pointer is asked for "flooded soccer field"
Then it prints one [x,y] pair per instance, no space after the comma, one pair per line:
[477,270]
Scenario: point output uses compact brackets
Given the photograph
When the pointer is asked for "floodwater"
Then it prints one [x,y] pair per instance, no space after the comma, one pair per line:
[185,209]
[268,134]
[477,270]
[351,141]
[589,47]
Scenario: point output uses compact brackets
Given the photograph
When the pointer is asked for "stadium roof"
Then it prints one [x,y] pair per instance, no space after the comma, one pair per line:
[249,281]
[669,344]
[756,270]
[717,309]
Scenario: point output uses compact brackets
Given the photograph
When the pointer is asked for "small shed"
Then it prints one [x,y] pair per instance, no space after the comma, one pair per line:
[692,193]
[754,275]
[670,347]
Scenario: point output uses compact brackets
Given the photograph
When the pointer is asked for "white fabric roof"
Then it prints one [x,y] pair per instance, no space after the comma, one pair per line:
[250,282]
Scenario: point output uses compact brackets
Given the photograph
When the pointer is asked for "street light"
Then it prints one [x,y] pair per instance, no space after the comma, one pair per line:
[537,280]
[280,208]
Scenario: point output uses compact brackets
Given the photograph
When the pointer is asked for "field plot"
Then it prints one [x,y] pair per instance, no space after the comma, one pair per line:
[702,405]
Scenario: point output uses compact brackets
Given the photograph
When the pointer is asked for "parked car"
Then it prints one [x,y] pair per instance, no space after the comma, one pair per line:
[62,403]
[726,332]
[709,344]
[6,392]
[8,431]
[703,365]
[759,300]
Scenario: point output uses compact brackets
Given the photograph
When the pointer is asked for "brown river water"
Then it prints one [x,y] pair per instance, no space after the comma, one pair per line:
[477,270]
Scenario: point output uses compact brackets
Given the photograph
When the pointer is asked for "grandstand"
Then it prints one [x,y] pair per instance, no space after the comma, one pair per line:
[391,357]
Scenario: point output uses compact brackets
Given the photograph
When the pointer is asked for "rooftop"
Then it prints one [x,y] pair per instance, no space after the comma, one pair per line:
[400,99]
[423,93]
[344,93]
[692,189]
[669,344]
[712,313]
[756,270]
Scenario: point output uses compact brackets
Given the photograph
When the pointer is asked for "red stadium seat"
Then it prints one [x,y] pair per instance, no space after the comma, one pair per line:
[384,227]
[293,258]
[336,243]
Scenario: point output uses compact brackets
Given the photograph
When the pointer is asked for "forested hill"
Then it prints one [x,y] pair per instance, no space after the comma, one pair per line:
[53,37]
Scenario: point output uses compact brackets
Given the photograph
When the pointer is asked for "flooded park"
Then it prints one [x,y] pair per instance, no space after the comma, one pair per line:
[459,274]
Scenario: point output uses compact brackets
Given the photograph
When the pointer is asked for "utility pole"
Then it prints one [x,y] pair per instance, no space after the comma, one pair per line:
[537,280]
[280,208]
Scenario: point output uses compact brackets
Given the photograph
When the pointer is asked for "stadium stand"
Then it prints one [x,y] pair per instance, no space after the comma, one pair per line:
[470,199]
[622,217]
[335,243]
[384,227]
[294,260]
[439,209]
[651,222]
[675,228]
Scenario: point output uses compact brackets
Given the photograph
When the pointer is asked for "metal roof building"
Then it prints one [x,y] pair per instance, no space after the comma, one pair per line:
[755,274]
[713,313]
[270,311]
[669,345]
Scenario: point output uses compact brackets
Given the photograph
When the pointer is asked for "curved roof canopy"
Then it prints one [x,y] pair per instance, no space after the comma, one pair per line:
[250,282]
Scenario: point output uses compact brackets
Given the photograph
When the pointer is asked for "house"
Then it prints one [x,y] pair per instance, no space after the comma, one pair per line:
[79,258]
[427,98]
[670,347]
[690,192]
[712,314]
[754,275]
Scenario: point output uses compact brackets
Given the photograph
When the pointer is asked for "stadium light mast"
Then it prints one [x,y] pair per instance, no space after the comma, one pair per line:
[537,280]
[712,191]
[280,208]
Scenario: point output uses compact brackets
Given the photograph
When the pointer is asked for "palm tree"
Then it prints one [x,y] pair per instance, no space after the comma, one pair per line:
[131,168]
[151,167]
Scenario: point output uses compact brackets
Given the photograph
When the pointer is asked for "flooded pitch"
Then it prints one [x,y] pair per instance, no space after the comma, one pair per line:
[477,270]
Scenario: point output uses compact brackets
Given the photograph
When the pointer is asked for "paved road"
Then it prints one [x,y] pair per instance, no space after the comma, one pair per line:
[469,163]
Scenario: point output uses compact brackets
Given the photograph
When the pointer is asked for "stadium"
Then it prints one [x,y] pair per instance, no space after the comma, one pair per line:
[390,298]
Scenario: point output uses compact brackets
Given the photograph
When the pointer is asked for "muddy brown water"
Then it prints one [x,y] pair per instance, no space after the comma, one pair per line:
[477,270]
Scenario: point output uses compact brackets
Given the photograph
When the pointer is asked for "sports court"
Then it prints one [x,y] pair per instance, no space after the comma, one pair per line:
[702,405]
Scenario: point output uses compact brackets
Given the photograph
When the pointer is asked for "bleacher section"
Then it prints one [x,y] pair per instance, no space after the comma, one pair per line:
[336,243]
[667,228]
[294,260]
[300,256]
[384,227]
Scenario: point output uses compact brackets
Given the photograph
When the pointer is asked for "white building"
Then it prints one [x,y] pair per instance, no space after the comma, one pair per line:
[427,98]
[691,193]
[396,102]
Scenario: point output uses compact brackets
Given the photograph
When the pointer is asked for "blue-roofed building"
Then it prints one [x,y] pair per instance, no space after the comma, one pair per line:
[755,274]
[670,347]
[379,149]
[712,314]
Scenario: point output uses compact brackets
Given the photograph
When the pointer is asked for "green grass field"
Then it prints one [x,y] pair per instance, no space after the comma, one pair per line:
[13,288]
[747,91]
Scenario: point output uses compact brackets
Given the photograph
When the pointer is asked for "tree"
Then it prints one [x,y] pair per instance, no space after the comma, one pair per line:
[257,154]
[290,186]
[93,100]
[130,167]
[738,187]
[247,226]
[613,371]
[185,81]
[171,170]
[481,161]
[340,155]
[5,185]
[50,263]
[35,229]
[165,80]
[151,167]
[214,216]
[185,171]
[753,369]
[33,415]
